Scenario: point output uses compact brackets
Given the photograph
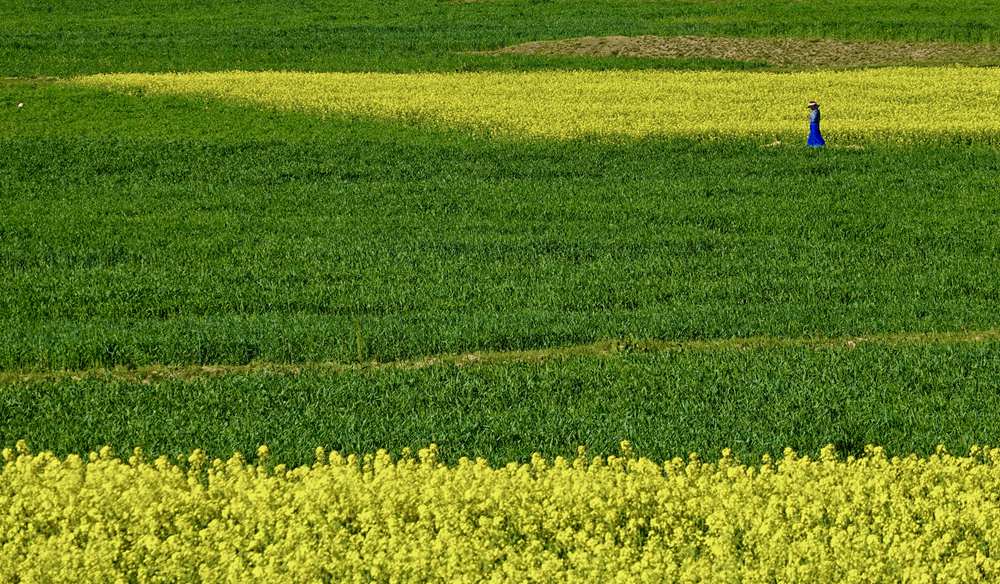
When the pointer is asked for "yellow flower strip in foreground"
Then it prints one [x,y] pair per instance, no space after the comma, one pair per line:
[619,519]
[893,103]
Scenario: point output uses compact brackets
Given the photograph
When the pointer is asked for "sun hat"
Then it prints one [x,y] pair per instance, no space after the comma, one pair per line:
[812,103]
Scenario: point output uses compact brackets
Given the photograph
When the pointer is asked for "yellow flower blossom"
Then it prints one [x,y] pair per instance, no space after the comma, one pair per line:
[616,519]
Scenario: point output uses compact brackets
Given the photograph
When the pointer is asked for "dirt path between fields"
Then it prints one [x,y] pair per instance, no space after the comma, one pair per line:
[600,349]
[779,52]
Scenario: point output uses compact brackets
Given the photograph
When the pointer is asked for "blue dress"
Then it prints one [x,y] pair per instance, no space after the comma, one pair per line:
[815,137]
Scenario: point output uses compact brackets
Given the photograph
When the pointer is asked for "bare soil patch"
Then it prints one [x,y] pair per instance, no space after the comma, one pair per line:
[783,52]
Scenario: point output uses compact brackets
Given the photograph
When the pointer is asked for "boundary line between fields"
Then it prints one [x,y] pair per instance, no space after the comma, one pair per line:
[599,349]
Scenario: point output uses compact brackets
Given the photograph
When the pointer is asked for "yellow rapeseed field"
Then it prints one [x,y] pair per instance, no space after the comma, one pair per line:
[897,104]
[616,519]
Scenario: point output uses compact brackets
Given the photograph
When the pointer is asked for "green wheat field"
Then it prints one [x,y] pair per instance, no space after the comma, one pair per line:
[180,270]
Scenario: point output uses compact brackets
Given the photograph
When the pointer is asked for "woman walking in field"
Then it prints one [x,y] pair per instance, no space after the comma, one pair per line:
[815,137]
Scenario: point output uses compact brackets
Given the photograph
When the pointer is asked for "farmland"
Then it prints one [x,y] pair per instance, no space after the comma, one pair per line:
[65,37]
[636,104]
[381,227]
[582,519]
[255,235]
[907,398]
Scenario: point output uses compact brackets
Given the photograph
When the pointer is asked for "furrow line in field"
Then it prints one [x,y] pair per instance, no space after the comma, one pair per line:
[599,349]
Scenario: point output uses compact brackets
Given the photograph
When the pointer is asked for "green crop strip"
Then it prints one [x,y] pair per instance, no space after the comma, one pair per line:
[68,37]
[907,398]
[601,349]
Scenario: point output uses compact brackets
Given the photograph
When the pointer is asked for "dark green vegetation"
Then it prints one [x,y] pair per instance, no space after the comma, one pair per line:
[62,37]
[165,230]
[908,399]
[139,230]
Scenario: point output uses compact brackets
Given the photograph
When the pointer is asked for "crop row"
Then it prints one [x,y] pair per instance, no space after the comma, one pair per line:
[620,518]
[890,104]
[756,401]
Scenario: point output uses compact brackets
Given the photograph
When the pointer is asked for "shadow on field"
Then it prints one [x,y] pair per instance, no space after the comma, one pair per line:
[149,230]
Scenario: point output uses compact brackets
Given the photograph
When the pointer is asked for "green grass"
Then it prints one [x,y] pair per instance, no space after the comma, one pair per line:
[164,230]
[906,398]
[140,231]
[63,37]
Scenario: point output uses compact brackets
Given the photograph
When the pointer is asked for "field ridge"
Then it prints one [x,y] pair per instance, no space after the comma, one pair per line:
[602,348]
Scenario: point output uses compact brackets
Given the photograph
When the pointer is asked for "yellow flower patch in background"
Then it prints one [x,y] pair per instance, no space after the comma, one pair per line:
[901,104]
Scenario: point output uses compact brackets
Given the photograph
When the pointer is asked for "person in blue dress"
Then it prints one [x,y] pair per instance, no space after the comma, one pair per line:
[815,137]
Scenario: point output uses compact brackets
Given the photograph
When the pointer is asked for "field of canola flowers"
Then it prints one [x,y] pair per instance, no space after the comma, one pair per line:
[899,104]
[614,519]
[219,227]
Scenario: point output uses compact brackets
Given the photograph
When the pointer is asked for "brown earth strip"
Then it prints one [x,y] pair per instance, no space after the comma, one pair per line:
[600,349]
[779,52]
